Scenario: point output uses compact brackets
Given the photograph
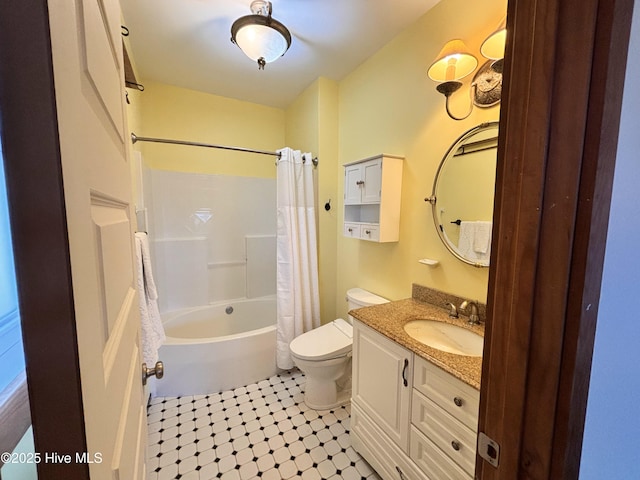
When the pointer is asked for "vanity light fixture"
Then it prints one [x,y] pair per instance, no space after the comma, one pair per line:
[493,47]
[455,62]
[260,36]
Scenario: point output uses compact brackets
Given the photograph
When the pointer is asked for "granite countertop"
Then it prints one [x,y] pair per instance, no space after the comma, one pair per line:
[389,319]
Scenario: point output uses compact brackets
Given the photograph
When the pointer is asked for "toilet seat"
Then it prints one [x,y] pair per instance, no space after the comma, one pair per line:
[332,340]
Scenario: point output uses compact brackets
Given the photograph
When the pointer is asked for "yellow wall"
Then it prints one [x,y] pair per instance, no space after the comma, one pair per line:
[312,125]
[389,105]
[178,113]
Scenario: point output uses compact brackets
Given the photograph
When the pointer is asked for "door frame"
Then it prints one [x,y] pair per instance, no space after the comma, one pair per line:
[31,147]
[565,68]
[549,114]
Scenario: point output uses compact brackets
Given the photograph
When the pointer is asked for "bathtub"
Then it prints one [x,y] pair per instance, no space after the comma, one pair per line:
[218,347]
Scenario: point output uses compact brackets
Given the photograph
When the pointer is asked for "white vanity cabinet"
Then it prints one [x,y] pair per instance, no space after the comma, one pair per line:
[409,418]
[372,191]
[380,403]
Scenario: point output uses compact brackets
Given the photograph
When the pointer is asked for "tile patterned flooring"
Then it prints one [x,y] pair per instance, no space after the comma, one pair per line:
[261,431]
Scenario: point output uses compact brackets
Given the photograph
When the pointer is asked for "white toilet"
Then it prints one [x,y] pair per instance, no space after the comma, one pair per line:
[324,356]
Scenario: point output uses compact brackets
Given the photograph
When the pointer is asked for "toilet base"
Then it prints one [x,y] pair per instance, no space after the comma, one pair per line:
[319,403]
[327,383]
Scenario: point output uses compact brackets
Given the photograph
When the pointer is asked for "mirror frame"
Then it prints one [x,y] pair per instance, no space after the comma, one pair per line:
[433,198]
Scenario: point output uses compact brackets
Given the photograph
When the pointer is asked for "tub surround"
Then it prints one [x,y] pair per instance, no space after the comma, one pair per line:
[389,319]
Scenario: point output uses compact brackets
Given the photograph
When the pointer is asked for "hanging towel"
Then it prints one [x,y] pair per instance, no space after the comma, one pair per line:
[466,239]
[482,237]
[474,238]
[152,330]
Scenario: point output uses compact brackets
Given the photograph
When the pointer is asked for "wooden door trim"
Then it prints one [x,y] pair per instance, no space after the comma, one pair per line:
[39,231]
[564,72]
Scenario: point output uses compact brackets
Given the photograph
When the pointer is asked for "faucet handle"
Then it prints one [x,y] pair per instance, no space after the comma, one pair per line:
[453,310]
[474,315]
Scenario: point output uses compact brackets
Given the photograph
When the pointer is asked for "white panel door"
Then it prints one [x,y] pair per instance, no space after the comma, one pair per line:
[372,177]
[352,185]
[87,64]
[382,373]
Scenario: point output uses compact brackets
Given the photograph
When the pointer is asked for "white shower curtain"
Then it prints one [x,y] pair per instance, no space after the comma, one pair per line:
[298,303]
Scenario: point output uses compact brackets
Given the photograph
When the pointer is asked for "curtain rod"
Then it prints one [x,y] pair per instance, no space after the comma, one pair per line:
[135,138]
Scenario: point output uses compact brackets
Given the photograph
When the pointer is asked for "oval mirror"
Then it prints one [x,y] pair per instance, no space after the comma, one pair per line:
[462,196]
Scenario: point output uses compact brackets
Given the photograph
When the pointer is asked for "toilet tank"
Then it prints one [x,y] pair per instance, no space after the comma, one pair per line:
[358,297]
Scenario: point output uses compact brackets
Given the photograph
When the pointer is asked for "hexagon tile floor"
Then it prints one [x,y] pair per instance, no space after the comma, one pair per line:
[261,431]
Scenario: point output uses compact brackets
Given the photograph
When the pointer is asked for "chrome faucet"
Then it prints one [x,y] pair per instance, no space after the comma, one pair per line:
[474,316]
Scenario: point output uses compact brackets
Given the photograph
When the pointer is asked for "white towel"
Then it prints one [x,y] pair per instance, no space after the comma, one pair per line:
[465,239]
[474,234]
[152,330]
[482,237]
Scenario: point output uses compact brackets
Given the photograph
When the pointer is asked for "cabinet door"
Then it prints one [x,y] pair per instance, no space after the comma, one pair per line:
[382,373]
[353,179]
[372,177]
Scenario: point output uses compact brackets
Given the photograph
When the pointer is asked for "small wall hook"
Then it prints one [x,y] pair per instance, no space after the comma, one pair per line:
[327,206]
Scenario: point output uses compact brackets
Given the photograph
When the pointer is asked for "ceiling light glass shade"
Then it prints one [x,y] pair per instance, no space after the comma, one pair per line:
[493,46]
[262,38]
[261,41]
[454,62]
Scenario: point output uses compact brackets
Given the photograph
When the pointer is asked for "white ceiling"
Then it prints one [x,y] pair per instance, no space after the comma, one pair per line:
[187,43]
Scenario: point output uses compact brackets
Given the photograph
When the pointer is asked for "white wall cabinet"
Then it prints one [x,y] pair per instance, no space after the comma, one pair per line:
[372,192]
[409,418]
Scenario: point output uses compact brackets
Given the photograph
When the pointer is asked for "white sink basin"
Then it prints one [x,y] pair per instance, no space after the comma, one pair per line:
[445,337]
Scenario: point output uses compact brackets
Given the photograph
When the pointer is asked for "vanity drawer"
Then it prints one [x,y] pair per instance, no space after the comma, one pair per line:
[370,232]
[352,230]
[433,461]
[460,400]
[452,437]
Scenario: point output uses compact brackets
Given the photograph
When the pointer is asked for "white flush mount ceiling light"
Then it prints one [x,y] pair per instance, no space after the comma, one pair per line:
[262,38]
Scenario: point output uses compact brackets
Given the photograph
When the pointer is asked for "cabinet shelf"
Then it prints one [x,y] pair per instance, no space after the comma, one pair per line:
[372,191]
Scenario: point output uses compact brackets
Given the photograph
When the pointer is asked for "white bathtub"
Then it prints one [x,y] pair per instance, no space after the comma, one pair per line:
[208,350]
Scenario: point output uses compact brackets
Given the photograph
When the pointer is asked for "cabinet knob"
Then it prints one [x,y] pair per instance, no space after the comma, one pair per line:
[368,232]
[350,230]
[360,182]
[458,401]
[455,445]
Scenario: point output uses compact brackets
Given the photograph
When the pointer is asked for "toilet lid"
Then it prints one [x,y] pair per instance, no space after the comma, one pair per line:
[328,341]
